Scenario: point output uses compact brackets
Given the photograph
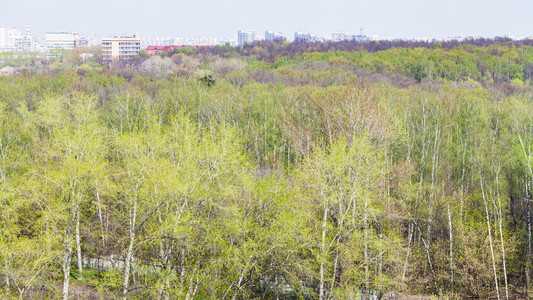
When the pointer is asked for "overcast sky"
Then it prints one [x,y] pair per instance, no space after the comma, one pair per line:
[222,18]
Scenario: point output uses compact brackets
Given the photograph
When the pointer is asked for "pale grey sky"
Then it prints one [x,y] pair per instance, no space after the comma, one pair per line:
[222,18]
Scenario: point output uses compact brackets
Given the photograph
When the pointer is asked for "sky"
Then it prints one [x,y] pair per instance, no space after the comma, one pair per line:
[408,19]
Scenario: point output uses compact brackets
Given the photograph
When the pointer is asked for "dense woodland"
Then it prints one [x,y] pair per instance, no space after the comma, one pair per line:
[274,171]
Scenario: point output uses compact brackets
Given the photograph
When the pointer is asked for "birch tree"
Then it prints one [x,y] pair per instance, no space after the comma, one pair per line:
[70,145]
[342,187]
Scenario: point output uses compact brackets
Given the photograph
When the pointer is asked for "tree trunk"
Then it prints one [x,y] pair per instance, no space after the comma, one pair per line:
[99,208]
[434,162]
[165,255]
[528,256]
[462,182]
[365,237]
[67,255]
[129,253]
[182,266]
[490,238]
[78,247]
[321,294]
[451,247]
[429,259]
[501,237]
[411,229]
[529,171]
[239,283]
[335,269]
[7,275]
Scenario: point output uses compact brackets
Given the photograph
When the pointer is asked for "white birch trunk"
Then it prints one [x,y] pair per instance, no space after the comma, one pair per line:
[129,253]
[67,255]
[528,256]
[78,247]
[501,237]
[490,239]
[411,229]
[100,218]
[7,275]
[451,247]
[321,294]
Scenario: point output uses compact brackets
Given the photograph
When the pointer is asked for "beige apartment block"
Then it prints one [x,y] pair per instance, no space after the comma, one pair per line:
[121,48]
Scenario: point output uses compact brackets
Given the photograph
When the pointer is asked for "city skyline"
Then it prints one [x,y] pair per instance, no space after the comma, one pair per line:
[410,19]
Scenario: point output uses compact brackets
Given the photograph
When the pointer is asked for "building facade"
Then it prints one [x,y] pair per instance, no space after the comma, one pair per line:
[25,43]
[303,36]
[152,50]
[274,36]
[8,39]
[12,40]
[121,48]
[62,40]
[245,37]
[342,36]
[7,70]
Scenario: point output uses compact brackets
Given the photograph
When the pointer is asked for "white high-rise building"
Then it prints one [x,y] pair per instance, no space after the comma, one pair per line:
[303,36]
[343,36]
[246,37]
[8,39]
[25,43]
[340,36]
[12,40]
[62,40]
[274,36]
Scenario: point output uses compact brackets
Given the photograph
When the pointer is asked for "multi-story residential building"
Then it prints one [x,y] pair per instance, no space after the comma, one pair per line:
[121,48]
[342,36]
[25,43]
[62,40]
[303,36]
[8,39]
[274,36]
[12,40]
[360,38]
[245,37]
[83,42]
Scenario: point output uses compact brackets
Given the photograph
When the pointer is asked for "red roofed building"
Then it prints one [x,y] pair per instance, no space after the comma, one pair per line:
[151,50]
[7,70]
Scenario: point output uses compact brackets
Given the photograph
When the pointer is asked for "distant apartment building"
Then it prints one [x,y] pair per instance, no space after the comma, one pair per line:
[62,40]
[83,42]
[303,36]
[8,39]
[12,40]
[122,48]
[274,36]
[339,36]
[25,43]
[246,37]
[342,36]
[360,38]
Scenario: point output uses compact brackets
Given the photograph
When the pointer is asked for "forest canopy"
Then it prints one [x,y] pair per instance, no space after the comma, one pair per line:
[305,171]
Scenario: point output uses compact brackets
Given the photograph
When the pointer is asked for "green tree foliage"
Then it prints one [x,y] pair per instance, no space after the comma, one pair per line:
[305,175]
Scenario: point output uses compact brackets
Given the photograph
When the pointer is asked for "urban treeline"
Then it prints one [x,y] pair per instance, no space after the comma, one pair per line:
[271,171]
